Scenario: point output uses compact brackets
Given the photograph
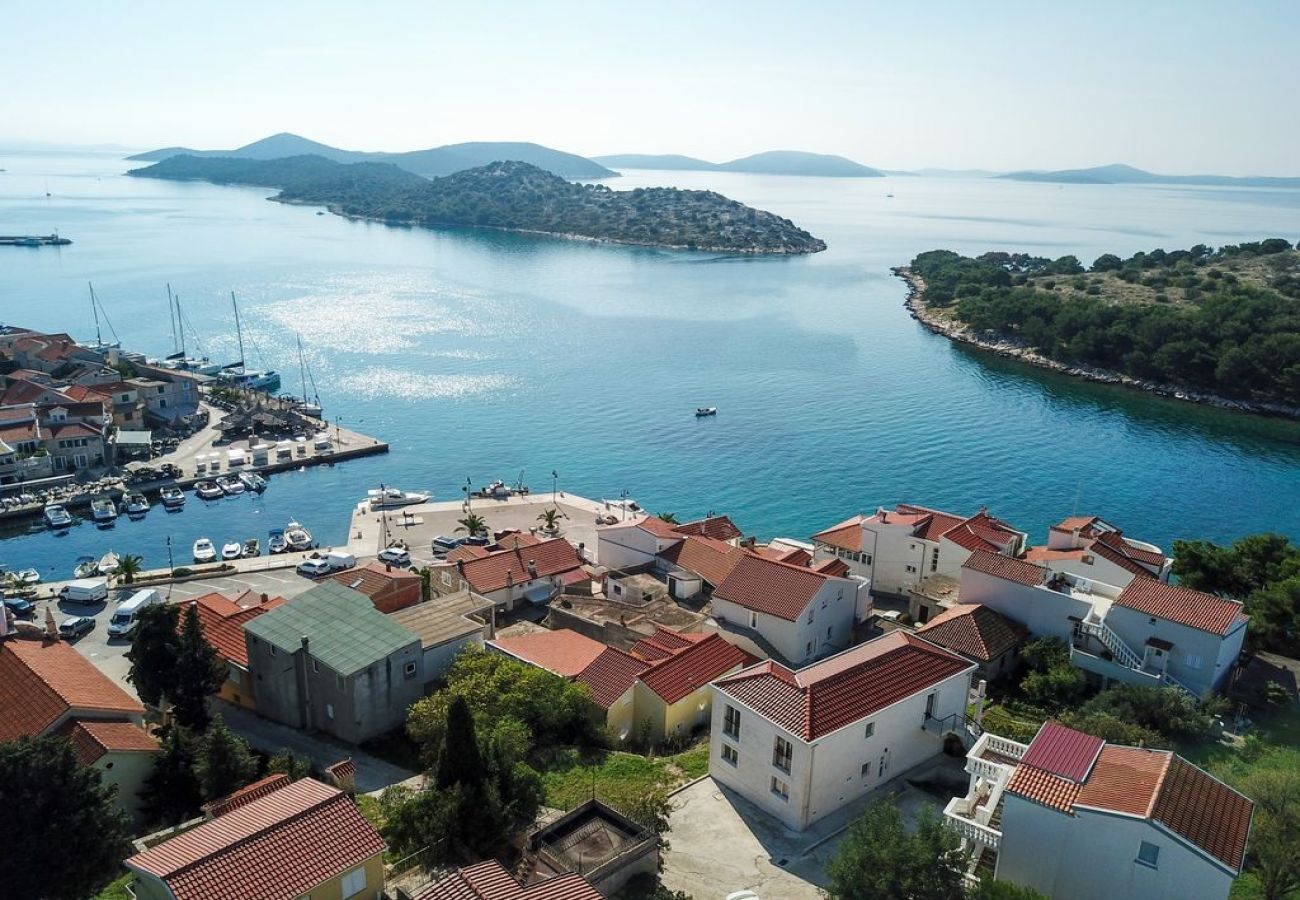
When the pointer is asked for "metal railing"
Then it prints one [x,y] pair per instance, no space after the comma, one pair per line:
[1123,654]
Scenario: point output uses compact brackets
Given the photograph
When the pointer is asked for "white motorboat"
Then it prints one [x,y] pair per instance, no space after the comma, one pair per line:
[103,509]
[392,498]
[86,567]
[108,563]
[27,577]
[172,497]
[275,542]
[204,552]
[296,537]
[252,481]
[56,516]
[232,550]
[252,548]
[208,490]
[230,484]
[626,503]
[702,411]
[135,504]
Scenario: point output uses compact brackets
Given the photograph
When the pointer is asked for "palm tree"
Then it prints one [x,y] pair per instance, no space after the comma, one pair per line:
[668,517]
[551,518]
[128,567]
[472,523]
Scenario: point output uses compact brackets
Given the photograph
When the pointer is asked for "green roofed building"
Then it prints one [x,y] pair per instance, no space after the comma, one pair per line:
[329,661]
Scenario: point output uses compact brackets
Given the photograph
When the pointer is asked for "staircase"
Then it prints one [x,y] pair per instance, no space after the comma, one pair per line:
[1123,653]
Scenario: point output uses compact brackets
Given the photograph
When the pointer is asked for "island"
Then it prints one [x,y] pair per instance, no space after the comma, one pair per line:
[772,162]
[1211,326]
[510,195]
[1119,173]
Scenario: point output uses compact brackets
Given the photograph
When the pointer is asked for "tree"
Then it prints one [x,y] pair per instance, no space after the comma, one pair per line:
[287,762]
[550,518]
[199,674]
[223,762]
[1107,262]
[1262,570]
[420,820]
[879,860]
[651,811]
[154,648]
[1275,830]
[128,567]
[989,889]
[64,834]
[426,584]
[668,517]
[459,762]
[472,523]
[172,793]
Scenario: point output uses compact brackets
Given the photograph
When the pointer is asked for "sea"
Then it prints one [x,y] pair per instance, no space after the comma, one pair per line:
[578,366]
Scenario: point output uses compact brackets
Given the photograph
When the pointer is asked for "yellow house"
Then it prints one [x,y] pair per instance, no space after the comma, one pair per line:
[661,680]
[303,841]
[223,625]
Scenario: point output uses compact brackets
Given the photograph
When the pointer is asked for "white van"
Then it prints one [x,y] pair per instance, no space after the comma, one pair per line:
[125,617]
[85,590]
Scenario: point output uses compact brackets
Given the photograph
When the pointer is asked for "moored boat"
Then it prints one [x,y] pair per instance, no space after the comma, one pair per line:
[230,484]
[296,537]
[103,509]
[275,542]
[56,516]
[392,498]
[252,481]
[27,577]
[108,563]
[172,497]
[86,567]
[135,504]
[208,490]
[232,550]
[252,548]
[204,552]
[702,411]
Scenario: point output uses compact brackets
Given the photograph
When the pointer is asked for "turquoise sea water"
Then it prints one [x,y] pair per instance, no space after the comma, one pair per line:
[480,354]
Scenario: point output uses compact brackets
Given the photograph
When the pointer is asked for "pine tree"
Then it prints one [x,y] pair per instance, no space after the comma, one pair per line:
[460,761]
[63,832]
[172,794]
[199,674]
[223,763]
[153,653]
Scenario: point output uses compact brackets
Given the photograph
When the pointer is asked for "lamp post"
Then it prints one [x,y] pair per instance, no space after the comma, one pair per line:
[469,483]
[171,567]
[555,485]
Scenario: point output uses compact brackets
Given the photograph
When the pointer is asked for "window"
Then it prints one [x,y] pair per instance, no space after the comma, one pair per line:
[866,770]
[780,788]
[446,579]
[753,620]
[929,705]
[409,669]
[1192,660]
[782,752]
[829,631]
[315,666]
[329,710]
[870,730]
[729,754]
[934,559]
[1149,854]
[354,882]
[910,569]
[731,723]
[810,615]
[866,558]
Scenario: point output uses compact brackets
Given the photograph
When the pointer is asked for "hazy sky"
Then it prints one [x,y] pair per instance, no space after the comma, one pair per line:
[1176,87]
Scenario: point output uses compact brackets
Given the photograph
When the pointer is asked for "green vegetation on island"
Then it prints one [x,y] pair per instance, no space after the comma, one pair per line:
[511,195]
[1224,322]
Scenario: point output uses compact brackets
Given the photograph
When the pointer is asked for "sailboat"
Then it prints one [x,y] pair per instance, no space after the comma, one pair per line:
[309,405]
[100,345]
[238,374]
[181,359]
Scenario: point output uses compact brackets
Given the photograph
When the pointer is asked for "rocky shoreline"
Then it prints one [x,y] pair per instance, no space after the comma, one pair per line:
[956,331]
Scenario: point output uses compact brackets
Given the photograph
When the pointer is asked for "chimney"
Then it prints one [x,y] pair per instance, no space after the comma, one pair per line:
[266,598]
[305,642]
[532,568]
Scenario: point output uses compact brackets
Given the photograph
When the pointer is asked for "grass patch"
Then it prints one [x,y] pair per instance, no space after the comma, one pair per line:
[570,774]
[116,890]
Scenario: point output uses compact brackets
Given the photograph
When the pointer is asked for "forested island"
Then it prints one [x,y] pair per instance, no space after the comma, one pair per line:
[1216,326]
[510,195]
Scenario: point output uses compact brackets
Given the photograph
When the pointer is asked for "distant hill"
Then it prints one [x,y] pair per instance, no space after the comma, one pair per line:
[511,195]
[773,162]
[1118,173]
[430,163]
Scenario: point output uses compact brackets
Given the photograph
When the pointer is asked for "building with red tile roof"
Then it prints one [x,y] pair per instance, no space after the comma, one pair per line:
[247,794]
[490,881]
[710,560]
[519,574]
[47,687]
[1090,547]
[719,528]
[1075,817]
[223,622]
[305,838]
[389,588]
[979,633]
[564,652]
[801,744]
[1195,609]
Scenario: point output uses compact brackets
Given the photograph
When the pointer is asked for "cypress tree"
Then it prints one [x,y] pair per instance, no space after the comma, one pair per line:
[224,763]
[154,647]
[199,674]
[460,761]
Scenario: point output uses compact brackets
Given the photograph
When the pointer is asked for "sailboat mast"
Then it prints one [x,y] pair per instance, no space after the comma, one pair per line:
[171,314]
[180,322]
[239,331]
[94,308]
[302,369]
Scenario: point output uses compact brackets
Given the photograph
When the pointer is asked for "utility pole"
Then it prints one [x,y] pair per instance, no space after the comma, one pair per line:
[171,568]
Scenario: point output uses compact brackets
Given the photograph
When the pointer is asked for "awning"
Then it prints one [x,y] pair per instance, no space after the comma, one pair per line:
[540,594]
[574,576]
[134,438]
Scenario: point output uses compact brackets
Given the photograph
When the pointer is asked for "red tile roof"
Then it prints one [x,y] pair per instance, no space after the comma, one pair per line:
[389,589]
[1205,811]
[982,532]
[1183,605]
[67,430]
[836,568]
[795,556]
[467,552]
[496,570]
[771,587]
[663,644]
[853,685]
[1117,541]
[1121,559]
[247,794]
[847,535]
[610,674]
[720,528]
[710,559]
[1125,780]
[658,527]
[41,681]
[514,539]
[223,621]
[1005,567]
[343,772]
[1063,751]
[975,631]
[92,738]
[562,651]
[1042,787]
[489,881]
[691,667]
[277,847]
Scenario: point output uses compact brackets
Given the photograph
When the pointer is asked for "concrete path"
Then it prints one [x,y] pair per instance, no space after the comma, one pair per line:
[373,774]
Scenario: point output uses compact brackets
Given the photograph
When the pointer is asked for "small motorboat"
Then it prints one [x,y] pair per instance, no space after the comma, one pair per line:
[108,563]
[135,504]
[86,567]
[232,550]
[392,498]
[56,516]
[230,484]
[252,481]
[702,411]
[208,490]
[27,577]
[172,497]
[275,542]
[103,509]
[251,548]
[296,537]
[204,552]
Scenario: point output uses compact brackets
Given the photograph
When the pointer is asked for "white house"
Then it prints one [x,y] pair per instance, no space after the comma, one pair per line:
[1091,547]
[1148,632]
[1079,819]
[802,744]
[895,549]
[801,613]
[634,543]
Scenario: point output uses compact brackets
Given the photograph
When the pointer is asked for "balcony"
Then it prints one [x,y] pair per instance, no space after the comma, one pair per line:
[977,817]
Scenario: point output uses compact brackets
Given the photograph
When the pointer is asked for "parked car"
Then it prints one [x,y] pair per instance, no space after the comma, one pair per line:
[395,556]
[442,545]
[314,568]
[127,615]
[75,627]
[20,606]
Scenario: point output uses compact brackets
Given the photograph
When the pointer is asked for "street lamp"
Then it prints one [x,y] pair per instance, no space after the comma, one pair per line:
[555,484]
[469,483]
[171,567]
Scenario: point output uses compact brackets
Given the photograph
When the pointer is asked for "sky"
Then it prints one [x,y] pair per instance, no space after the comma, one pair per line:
[1175,87]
